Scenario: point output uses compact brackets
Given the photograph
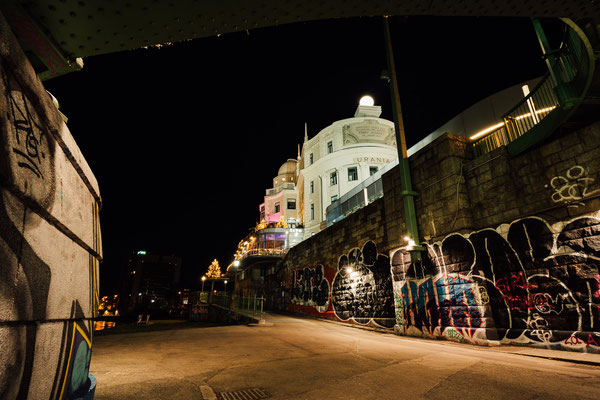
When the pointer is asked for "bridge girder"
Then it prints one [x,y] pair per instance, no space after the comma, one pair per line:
[58,33]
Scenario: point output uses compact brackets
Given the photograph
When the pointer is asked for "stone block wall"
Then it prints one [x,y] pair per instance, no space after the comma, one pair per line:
[49,241]
[343,272]
[513,249]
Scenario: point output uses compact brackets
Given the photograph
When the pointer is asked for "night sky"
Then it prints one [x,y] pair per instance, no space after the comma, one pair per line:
[184,139]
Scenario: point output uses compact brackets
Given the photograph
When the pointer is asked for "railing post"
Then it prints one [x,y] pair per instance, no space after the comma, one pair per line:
[562,89]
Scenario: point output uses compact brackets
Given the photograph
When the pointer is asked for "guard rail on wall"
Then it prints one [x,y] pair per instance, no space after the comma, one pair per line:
[550,103]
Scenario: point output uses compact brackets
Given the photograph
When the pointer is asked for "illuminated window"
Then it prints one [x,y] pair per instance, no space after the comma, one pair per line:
[373,170]
[333,178]
[352,174]
[329,147]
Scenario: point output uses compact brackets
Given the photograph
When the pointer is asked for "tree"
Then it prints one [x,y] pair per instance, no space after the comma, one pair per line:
[214,270]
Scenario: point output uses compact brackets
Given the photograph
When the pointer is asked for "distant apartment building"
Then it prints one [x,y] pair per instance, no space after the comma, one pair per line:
[149,284]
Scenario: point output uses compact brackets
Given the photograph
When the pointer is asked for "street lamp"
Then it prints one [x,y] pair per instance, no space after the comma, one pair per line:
[225,285]
[203,279]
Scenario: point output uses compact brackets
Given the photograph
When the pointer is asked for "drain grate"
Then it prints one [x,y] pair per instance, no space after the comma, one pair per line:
[245,394]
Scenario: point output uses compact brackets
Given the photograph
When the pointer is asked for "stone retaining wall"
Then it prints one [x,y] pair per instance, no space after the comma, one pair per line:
[513,249]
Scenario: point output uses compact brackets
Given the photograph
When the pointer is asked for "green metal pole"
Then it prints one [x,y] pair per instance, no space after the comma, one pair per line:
[410,214]
[546,50]
[563,89]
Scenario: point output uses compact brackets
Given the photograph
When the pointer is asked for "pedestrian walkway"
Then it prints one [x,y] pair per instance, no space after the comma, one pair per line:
[299,358]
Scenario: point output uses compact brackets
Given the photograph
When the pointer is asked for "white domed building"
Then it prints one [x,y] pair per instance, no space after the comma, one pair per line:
[339,158]
[282,199]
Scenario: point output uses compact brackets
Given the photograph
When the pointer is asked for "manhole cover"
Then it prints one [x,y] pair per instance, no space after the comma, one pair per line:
[245,394]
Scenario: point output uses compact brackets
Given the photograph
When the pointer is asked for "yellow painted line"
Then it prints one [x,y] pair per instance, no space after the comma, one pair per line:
[67,361]
[84,336]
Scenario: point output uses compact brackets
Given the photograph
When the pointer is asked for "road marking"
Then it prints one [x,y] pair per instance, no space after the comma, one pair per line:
[207,393]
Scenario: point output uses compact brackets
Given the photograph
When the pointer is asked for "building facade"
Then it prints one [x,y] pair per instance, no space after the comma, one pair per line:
[338,158]
[149,284]
[281,201]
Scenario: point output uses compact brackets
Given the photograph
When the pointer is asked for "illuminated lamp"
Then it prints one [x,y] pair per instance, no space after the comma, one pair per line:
[366,101]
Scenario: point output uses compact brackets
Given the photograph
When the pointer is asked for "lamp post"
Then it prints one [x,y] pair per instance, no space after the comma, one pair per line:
[236,264]
[225,285]
[203,279]
[408,194]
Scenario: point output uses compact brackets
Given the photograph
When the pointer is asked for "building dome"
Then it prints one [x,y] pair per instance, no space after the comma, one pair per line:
[288,167]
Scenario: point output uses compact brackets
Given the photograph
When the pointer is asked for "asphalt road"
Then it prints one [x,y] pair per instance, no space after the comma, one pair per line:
[295,358]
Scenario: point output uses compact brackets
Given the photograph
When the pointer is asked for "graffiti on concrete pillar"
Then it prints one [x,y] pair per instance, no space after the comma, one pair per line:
[310,287]
[44,354]
[362,288]
[72,379]
[31,148]
[524,282]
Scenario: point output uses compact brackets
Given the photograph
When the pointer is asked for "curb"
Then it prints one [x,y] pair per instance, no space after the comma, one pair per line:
[558,357]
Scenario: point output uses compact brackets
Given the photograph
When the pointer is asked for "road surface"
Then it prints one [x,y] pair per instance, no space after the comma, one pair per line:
[297,358]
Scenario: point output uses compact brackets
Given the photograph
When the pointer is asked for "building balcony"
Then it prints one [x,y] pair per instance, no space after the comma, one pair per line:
[269,243]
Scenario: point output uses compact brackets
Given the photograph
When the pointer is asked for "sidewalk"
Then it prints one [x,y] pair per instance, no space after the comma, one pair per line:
[529,351]
[557,355]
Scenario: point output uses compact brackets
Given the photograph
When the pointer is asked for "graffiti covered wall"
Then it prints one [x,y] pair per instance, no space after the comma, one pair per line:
[310,288]
[358,290]
[49,241]
[527,282]
[512,249]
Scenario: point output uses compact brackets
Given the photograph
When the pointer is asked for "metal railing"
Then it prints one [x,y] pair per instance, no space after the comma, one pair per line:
[266,252]
[249,306]
[221,300]
[546,97]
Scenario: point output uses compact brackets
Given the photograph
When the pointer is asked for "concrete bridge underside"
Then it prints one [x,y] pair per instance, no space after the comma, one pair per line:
[59,32]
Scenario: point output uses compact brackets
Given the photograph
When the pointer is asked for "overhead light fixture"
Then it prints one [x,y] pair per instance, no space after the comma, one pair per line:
[487,130]
[501,124]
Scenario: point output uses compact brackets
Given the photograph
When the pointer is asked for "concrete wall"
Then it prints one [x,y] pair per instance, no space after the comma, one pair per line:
[513,249]
[49,241]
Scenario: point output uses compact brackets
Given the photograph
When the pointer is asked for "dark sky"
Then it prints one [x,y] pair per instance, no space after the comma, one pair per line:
[184,139]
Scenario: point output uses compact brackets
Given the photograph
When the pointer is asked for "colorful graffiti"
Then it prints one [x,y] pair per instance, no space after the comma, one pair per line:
[310,287]
[525,282]
[362,288]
